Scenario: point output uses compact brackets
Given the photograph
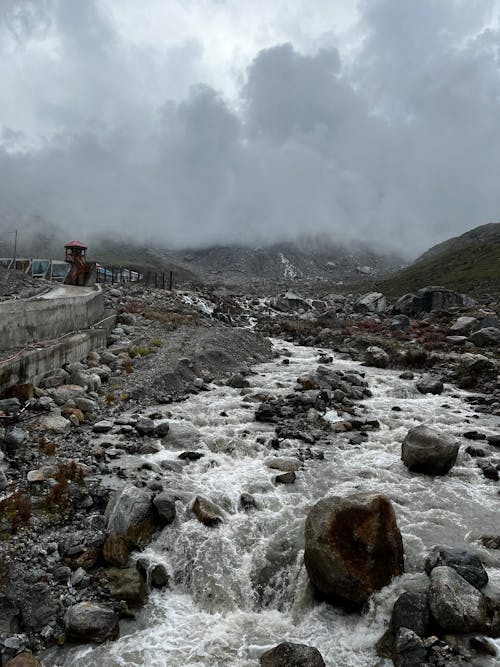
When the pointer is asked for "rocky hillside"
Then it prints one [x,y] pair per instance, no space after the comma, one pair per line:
[470,263]
[287,262]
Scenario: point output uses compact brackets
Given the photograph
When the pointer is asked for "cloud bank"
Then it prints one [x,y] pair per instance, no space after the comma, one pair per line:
[383,127]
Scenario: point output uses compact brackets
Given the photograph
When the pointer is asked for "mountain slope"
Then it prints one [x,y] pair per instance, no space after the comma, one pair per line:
[468,263]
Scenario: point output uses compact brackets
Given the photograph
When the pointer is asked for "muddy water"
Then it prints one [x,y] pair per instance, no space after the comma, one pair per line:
[240,588]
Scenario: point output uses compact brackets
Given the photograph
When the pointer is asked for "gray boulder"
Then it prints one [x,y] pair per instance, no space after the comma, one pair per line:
[353,547]
[463,325]
[430,385]
[455,605]
[165,506]
[464,562]
[373,302]
[409,649]
[288,654]
[87,621]
[126,584]
[486,337]
[427,451]
[129,514]
[411,611]
[377,357]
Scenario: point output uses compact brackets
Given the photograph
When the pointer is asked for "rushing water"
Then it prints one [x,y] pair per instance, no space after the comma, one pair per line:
[241,587]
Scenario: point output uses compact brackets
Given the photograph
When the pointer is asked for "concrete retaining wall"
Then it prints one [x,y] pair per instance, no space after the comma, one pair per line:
[30,366]
[25,321]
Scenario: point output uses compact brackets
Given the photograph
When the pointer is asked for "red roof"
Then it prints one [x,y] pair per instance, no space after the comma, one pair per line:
[75,244]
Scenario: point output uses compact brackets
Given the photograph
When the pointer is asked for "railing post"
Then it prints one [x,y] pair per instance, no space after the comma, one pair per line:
[170,280]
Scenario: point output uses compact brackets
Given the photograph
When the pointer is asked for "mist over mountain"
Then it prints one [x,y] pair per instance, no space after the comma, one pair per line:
[207,123]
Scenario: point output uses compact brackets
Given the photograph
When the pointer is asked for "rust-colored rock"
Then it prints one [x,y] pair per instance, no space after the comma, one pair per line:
[24,392]
[353,547]
[116,550]
[24,659]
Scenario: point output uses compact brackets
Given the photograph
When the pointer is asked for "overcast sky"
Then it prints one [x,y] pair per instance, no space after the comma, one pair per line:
[196,122]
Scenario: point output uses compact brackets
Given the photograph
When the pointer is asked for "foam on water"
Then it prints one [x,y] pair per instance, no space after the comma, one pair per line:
[241,587]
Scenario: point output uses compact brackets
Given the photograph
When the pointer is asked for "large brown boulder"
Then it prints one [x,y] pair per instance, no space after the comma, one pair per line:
[353,547]
[24,659]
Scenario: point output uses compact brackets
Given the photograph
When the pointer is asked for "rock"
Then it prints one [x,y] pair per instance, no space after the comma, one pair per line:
[56,424]
[87,621]
[376,356]
[430,385]
[288,654]
[464,562]
[400,322]
[353,547]
[489,471]
[207,513]
[483,646]
[4,482]
[427,451]
[373,302]
[407,375]
[103,426]
[10,405]
[116,550]
[283,464]
[463,325]
[165,506]
[24,659]
[65,393]
[237,381]
[285,478]
[182,435]
[145,426]
[37,475]
[162,429]
[487,337]
[247,501]
[24,392]
[85,404]
[130,515]
[411,611]
[14,439]
[456,605]
[126,584]
[409,649]
[159,576]
[494,440]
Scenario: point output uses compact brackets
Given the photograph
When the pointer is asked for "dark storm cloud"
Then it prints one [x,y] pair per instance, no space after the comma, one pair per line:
[398,144]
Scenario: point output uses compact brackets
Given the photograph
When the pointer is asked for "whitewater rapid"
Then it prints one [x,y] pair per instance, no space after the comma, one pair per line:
[240,588]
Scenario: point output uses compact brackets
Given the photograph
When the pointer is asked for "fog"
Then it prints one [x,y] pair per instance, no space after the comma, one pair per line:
[216,122]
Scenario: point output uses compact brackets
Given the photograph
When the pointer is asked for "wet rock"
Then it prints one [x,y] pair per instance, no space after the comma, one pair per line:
[247,501]
[237,381]
[145,426]
[411,611]
[182,435]
[483,646]
[10,405]
[430,385]
[475,451]
[487,337]
[206,512]
[409,649]
[283,464]
[88,621]
[191,456]
[353,547]
[289,654]
[165,507]
[285,478]
[376,356]
[407,375]
[159,576]
[24,659]
[464,562]
[491,541]
[130,514]
[427,451]
[126,584]
[494,440]
[161,430]
[456,605]
[489,471]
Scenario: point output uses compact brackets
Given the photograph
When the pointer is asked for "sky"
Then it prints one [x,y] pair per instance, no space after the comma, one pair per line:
[187,123]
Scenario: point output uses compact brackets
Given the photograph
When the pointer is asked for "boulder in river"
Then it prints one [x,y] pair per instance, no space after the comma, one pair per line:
[88,621]
[409,650]
[130,515]
[377,357]
[207,513]
[464,562]
[288,654]
[165,507]
[430,385]
[455,605]
[353,547]
[427,451]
